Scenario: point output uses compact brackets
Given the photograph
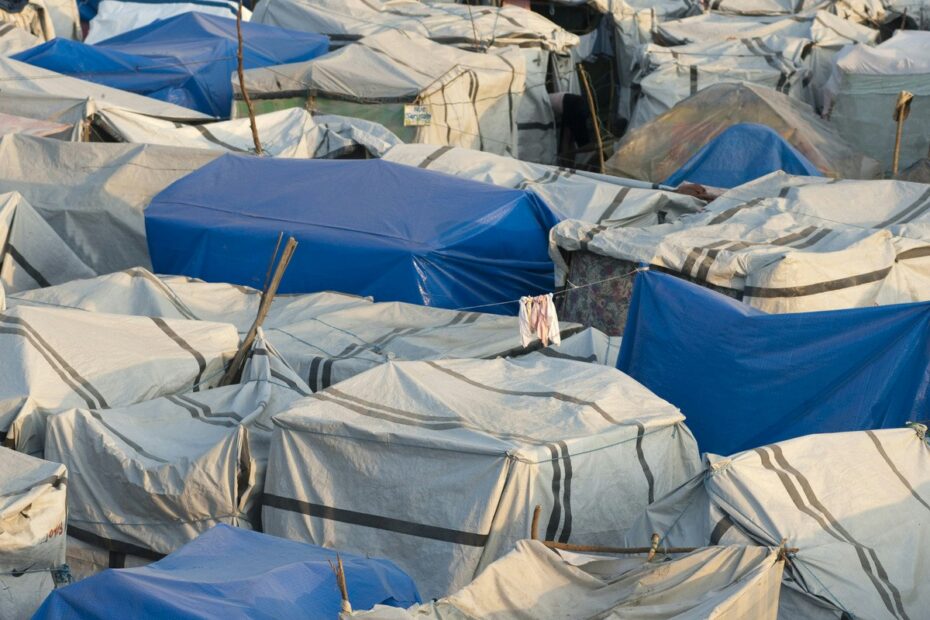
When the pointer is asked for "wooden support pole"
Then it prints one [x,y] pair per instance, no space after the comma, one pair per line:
[534,527]
[583,79]
[902,108]
[245,93]
[339,569]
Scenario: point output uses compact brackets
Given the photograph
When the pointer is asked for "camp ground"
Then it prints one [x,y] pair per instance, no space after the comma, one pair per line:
[454,309]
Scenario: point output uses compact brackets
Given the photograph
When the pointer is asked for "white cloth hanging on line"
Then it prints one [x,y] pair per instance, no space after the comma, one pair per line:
[538,319]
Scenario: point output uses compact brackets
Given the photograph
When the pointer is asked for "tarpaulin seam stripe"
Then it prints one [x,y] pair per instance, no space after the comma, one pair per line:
[198,357]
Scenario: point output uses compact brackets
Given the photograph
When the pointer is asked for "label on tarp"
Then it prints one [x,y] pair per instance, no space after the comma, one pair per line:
[417,116]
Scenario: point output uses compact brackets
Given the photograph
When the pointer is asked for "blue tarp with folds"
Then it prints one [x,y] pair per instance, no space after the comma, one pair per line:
[229,572]
[744,378]
[394,232]
[741,154]
[187,60]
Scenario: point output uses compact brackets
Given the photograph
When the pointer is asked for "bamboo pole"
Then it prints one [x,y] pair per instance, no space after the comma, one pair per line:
[339,569]
[583,79]
[245,93]
[902,108]
[234,372]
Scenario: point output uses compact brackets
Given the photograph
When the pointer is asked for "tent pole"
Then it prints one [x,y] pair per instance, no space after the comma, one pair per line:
[902,108]
[245,93]
[583,78]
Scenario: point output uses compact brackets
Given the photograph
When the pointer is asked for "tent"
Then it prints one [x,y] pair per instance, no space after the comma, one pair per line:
[228,572]
[853,504]
[149,477]
[864,11]
[740,154]
[366,228]
[56,359]
[286,133]
[672,75]
[864,87]
[324,337]
[109,18]
[472,100]
[439,465]
[857,369]
[547,49]
[32,541]
[10,123]
[86,202]
[654,151]
[536,583]
[568,193]
[186,60]
[14,39]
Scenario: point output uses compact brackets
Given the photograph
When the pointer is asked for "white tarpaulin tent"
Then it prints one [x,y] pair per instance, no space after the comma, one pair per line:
[114,17]
[853,504]
[150,477]
[807,249]
[439,465]
[864,11]
[55,359]
[324,337]
[32,531]
[90,196]
[536,583]
[659,148]
[10,123]
[546,48]
[473,100]
[286,133]
[671,75]
[14,39]
[864,87]
[568,193]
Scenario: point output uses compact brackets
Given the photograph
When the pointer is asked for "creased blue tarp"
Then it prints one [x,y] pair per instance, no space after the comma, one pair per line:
[740,154]
[230,573]
[394,232]
[744,378]
[187,60]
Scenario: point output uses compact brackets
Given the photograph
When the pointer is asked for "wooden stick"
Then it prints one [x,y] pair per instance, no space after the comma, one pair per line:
[902,108]
[534,527]
[582,77]
[234,372]
[653,548]
[339,569]
[245,93]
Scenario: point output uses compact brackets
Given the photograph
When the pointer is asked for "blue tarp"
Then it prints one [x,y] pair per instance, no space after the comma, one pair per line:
[744,378]
[740,154]
[229,573]
[394,232]
[88,8]
[187,60]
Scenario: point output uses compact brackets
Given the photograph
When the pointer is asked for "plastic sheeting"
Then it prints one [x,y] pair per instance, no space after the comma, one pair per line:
[86,201]
[854,504]
[536,583]
[228,573]
[468,449]
[14,39]
[569,194]
[20,124]
[287,133]
[653,152]
[114,17]
[186,60]
[474,99]
[32,531]
[365,227]
[864,87]
[740,154]
[745,378]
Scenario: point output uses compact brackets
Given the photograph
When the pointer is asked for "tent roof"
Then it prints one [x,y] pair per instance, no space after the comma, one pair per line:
[21,472]
[906,53]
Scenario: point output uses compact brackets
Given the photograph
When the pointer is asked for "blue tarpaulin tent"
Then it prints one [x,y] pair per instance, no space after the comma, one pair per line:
[229,572]
[394,232]
[187,60]
[744,378]
[740,154]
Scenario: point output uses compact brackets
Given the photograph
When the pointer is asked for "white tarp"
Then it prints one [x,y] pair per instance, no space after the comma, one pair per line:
[55,359]
[286,133]
[671,75]
[65,18]
[92,196]
[114,17]
[854,505]
[536,583]
[862,91]
[14,39]
[10,123]
[584,196]
[864,11]
[807,249]
[32,531]
[473,99]
[156,474]
[659,148]
[439,465]
[324,337]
